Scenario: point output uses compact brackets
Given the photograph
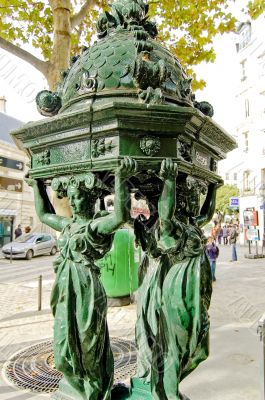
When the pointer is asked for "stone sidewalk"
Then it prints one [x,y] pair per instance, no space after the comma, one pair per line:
[233,370]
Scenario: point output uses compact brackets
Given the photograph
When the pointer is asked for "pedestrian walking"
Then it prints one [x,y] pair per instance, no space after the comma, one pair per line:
[229,229]
[225,234]
[18,231]
[27,229]
[212,252]
[233,239]
[220,234]
[214,231]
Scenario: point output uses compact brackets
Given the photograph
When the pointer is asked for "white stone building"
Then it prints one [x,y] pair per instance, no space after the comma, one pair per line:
[250,100]
[16,197]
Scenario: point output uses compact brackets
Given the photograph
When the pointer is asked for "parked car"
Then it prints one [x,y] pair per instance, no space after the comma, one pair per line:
[30,245]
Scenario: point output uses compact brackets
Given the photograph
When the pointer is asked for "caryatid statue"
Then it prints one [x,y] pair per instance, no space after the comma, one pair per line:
[82,349]
[127,100]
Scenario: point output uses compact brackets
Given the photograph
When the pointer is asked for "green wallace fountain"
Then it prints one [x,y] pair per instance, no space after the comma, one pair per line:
[124,120]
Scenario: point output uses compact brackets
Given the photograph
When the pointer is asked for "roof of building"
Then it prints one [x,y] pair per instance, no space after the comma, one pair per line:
[7,124]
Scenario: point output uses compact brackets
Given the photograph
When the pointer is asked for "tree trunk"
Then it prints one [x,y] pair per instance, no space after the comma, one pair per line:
[61,41]
[58,63]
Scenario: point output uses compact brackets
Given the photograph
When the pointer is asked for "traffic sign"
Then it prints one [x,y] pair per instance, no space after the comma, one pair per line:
[11,185]
[10,163]
[234,202]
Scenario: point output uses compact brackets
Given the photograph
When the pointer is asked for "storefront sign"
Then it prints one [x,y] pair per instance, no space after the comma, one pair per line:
[11,185]
[13,164]
[250,218]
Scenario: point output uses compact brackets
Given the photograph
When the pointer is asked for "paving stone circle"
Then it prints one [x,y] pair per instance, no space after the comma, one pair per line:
[33,368]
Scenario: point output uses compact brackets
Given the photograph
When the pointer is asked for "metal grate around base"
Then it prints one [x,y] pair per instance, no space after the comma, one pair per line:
[33,368]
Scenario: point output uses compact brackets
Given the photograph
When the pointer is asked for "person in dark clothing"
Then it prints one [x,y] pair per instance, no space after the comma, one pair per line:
[18,231]
[225,234]
[212,252]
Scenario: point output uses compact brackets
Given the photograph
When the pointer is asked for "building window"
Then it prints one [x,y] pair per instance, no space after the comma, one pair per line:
[227,176]
[244,36]
[261,61]
[243,70]
[262,102]
[246,176]
[246,108]
[235,176]
[245,143]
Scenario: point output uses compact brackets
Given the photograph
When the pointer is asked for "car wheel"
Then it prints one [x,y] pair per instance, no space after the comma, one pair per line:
[29,255]
[53,251]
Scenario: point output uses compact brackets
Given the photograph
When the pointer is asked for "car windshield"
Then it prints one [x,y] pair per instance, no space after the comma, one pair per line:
[26,239]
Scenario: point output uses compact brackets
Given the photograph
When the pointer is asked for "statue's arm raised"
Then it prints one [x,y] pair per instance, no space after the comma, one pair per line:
[208,206]
[167,200]
[122,201]
[169,234]
[44,208]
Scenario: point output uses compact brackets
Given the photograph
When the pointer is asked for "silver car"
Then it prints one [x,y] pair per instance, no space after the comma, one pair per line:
[30,245]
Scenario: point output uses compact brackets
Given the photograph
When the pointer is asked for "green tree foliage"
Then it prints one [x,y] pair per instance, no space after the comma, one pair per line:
[255,8]
[222,198]
[58,28]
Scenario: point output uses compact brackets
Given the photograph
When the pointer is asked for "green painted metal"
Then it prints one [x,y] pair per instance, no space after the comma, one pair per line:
[140,390]
[78,300]
[173,326]
[124,121]
[119,267]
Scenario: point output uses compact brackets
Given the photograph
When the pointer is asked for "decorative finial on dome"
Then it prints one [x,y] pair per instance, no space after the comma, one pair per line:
[48,103]
[205,107]
[126,14]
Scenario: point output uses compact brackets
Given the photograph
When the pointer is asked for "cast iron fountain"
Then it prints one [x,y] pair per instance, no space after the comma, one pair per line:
[124,120]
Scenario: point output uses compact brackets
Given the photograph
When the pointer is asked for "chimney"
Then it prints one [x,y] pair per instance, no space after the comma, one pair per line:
[2,104]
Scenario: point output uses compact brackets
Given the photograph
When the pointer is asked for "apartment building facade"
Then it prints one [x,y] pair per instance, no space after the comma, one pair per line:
[250,99]
[16,197]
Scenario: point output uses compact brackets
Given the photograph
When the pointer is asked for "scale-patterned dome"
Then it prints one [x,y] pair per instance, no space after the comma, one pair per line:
[127,62]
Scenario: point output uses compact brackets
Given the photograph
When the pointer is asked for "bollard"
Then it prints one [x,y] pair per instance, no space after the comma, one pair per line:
[39,293]
[261,331]
[11,255]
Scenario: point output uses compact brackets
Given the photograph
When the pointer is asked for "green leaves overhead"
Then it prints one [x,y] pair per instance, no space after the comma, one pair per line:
[256,8]
[186,27]
[27,22]
[190,27]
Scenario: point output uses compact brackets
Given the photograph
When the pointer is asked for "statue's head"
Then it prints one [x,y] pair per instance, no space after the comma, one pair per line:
[79,201]
[82,190]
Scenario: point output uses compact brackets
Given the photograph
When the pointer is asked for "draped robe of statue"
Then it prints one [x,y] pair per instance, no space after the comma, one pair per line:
[79,305]
[81,339]
[172,330]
